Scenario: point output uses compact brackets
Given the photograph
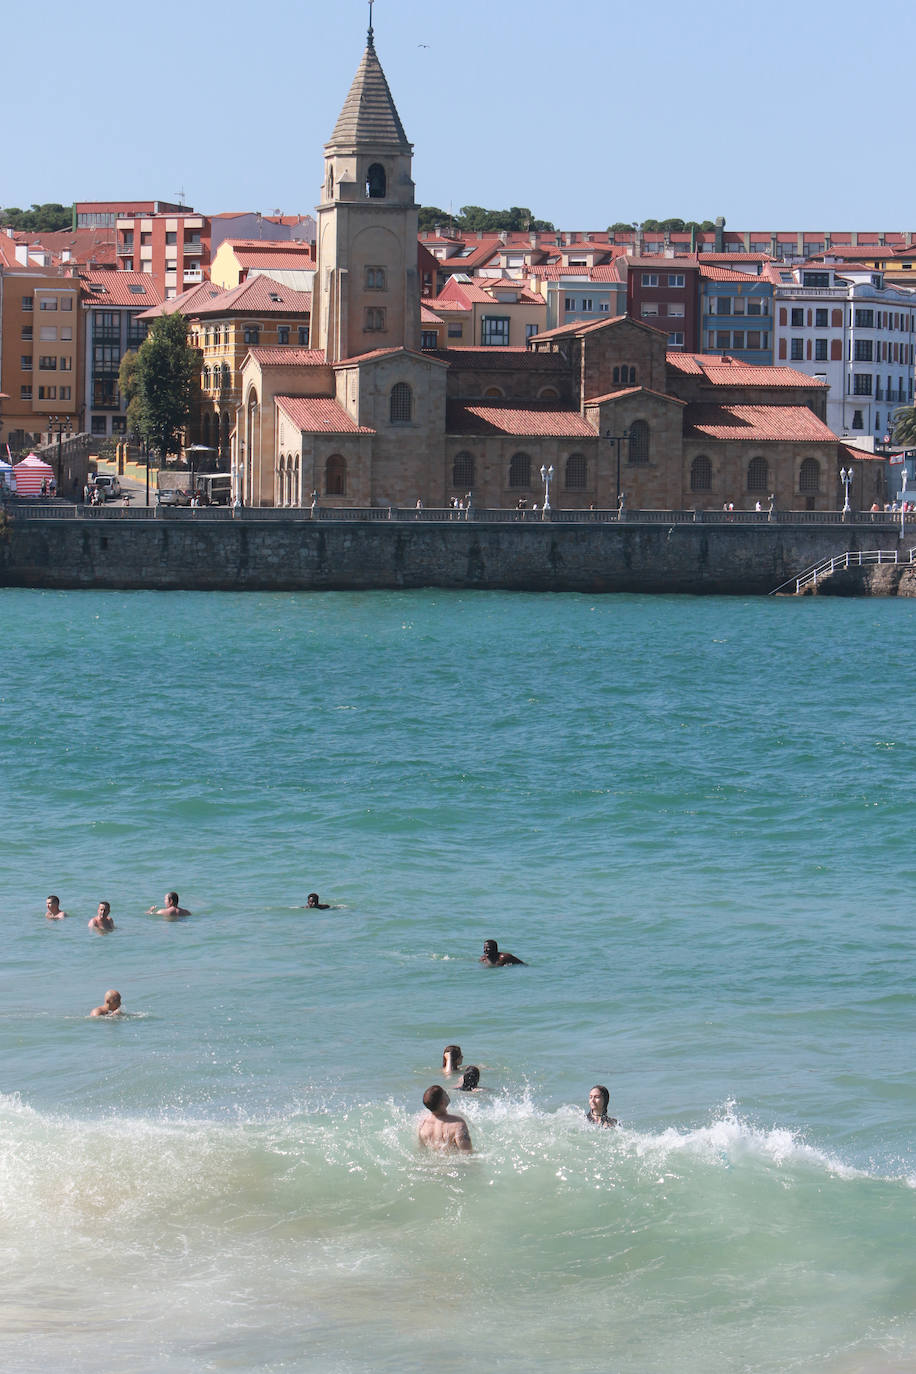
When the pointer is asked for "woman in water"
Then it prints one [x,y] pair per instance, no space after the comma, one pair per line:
[470,1080]
[598,1100]
[451,1059]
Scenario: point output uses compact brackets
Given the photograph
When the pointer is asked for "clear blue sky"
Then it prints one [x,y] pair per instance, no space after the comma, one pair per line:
[775,116]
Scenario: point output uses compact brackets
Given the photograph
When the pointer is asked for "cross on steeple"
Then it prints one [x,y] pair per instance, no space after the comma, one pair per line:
[370,38]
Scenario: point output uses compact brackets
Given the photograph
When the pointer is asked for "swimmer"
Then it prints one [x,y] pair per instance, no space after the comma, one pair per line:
[53,912]
[171,907]
[110,1007]
[494,958]
[102,921]
[598,1099]
[451,1059]
[442,1130]
[313,901]
[470,1080]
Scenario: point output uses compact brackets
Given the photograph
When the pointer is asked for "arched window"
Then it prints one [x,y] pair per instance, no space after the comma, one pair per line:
[225,377]
[625,376]
[576,472]
[809,476]
[758,475]
[335,476]
[638,447]
[376,182]
[205,428]
[400,409]
[206,379]
[701,473]
[548,393]
[224,435]
[520,471]
[463,471]
[493,392]
[281,481]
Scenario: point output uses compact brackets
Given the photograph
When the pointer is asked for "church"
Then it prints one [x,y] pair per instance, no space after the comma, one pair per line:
[375,412]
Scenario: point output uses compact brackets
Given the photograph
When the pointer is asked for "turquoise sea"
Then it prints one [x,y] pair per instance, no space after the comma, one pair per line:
[693,818]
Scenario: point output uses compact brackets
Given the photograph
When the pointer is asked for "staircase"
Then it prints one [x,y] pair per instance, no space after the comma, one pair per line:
[856,559]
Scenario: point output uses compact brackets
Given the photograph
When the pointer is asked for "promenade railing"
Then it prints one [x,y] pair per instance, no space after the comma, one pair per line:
[853,558]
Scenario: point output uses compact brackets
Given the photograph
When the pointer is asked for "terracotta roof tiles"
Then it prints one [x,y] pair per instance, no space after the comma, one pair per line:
[319,415]
[105,287]
[762,424]
[288,357]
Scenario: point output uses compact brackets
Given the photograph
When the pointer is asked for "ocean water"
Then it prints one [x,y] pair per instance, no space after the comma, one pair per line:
[694,820]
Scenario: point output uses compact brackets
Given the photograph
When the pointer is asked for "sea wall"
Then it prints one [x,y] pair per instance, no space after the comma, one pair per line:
[240,554]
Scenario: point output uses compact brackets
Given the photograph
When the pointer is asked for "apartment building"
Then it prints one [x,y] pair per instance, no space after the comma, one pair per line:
[736,312]
[40,353]
[848,327]
[663,292]
[173,246]
[111,305]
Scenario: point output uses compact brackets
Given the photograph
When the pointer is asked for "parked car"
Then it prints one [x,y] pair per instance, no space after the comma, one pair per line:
[173,496]
[108,487]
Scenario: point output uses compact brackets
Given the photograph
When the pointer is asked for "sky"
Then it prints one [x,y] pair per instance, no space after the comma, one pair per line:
[777,117]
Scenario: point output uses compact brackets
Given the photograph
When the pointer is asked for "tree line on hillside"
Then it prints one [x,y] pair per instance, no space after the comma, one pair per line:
[670,226]
[47,217]
[473,217]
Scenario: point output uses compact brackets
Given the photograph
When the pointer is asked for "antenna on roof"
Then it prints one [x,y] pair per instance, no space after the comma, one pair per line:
[179,194]
[369,37]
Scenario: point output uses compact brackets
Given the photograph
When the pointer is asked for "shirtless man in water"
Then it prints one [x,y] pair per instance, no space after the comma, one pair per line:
[493,957]
[443,1130]
[54,912]
[110,1007]
[102,921]
[171,907]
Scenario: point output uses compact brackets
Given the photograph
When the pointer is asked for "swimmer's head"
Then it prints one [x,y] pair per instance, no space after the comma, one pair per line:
[598,1099]
[451,1057]
[171,899]
[104,908]
[490,948]
[53,901]
[435,1099]
[112,999]
[470,1079]
[312,899]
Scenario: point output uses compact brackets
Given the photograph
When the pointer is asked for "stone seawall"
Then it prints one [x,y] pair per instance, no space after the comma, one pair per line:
[245,555]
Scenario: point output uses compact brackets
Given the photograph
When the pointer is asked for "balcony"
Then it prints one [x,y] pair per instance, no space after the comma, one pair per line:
[793,292]
[192,275]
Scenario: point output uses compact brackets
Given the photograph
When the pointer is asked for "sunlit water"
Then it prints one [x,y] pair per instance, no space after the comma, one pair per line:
[694,818]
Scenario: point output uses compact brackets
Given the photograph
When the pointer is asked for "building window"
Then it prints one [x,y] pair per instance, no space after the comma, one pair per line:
[252,335]
[376,279]
[25,362]
[27,302]
[737,338]
[820,350]
[170,237]
[335,476]
[428,338]
[758,475]
[820,319]
[723,339]
[48,303]
[494,331]
[400,404]
[676,310]
[47,363]
[650,279]
[863,350]
[638,447]
[723,305]
[64,393]
[624,376]
[815,278]
[809,476]
[861,384]
[47,393]
[99,424]
[376,182]
[857,421]
[454,329]
[865,319]
[676,279]
[463,471]
[797,350]
[758,339]
[27,333]
[375,319]
[586,303]
[701,473]
[756,307]
[283,334]
[530,331]
[569,303]
[303,336]
[648,310]
[520,471]
[66,364]
[798,318]
[206,379]
[25,393]
[676,339]
[576,472]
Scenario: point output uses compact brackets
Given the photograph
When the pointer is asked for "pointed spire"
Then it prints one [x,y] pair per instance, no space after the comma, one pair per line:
[370,41]
[369,114]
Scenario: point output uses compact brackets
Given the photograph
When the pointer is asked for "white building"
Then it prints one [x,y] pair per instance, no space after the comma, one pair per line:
[845,326]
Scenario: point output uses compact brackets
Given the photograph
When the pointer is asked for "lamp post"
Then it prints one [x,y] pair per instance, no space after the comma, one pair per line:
[546,478]
[58,422]
[617,440]
[846,476]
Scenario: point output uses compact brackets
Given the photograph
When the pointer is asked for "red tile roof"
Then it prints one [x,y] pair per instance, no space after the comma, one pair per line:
[187,302]
[494,417]
[724,274]
[103,287]
[630,391]
[319,415]
[428,316]
[726,371]
[260,294]
[288,357]
[762,424]
[713,258]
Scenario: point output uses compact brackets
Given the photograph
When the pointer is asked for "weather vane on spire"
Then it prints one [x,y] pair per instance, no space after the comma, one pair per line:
[371,40]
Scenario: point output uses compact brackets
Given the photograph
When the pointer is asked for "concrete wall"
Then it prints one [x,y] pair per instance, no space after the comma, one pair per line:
[242,554]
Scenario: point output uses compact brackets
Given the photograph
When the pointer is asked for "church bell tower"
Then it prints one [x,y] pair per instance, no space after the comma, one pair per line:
[366,292]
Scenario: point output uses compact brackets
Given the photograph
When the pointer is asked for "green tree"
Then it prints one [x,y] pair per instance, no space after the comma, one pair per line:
[129,387]
[166,375]
[905,426]
[48,217]
[430,215]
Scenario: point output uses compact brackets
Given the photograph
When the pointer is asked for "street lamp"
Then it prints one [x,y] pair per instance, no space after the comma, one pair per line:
[59,421]
[846,476]
[617,440]
[546,478]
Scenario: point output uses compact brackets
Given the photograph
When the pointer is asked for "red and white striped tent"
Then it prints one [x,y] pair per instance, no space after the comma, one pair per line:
[30,474]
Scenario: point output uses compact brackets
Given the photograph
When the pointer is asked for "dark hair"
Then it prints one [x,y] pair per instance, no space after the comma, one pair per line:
[432,1098]
[470,1080]
[173,898]
[52,898]
[311,895]
[490,944]
[600,1088]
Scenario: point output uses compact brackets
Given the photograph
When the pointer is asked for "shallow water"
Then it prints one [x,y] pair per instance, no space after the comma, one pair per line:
[692,818]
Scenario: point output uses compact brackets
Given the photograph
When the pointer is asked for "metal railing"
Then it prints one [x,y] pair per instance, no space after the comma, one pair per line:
[854,558]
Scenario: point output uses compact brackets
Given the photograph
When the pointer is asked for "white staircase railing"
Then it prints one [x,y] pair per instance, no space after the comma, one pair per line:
[857,558]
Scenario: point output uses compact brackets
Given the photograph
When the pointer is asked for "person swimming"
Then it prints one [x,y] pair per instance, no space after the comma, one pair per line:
[470,1080]
[171,908]
[53,911]
[111,1006]
[441,1129]
[493,957]
[598,1100]
[102,920]
[313,901]
[451,1059]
